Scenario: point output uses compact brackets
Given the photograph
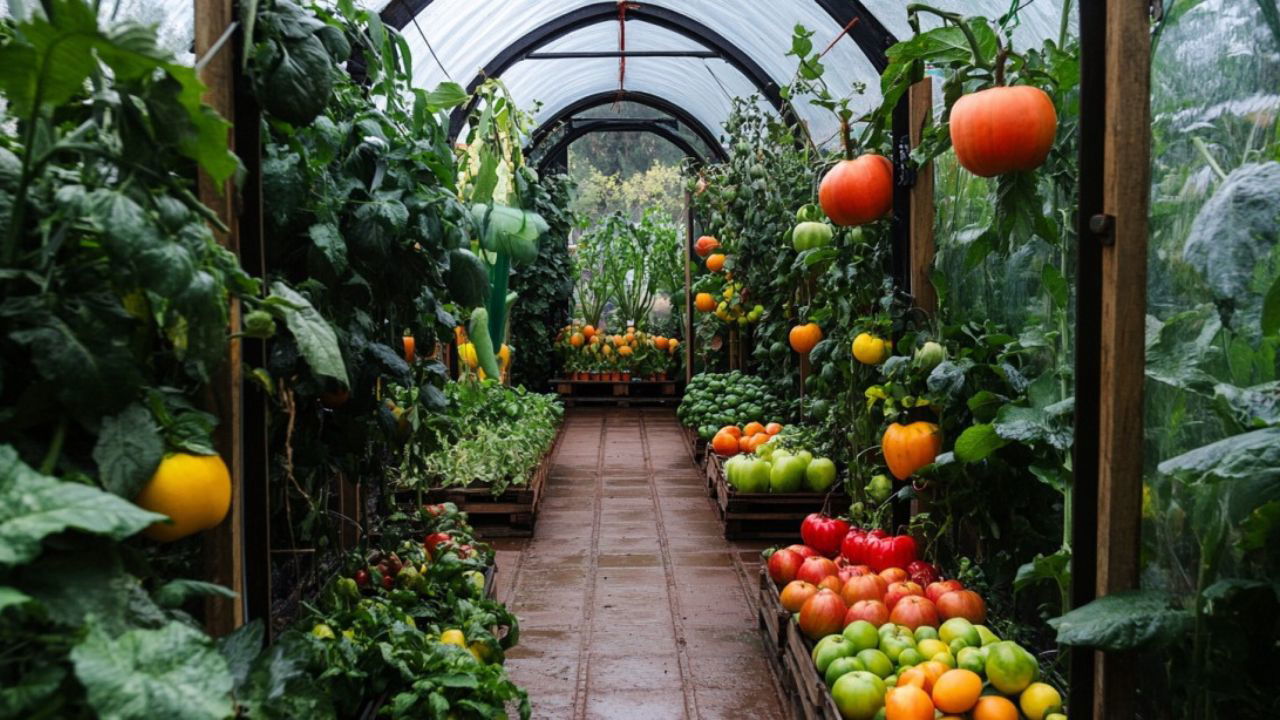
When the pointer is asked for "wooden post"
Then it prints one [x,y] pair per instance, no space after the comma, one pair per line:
[920,113]
[224,545]
[688,287]
[1126,188]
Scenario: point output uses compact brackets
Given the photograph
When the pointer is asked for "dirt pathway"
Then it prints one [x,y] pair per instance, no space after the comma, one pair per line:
[631,604]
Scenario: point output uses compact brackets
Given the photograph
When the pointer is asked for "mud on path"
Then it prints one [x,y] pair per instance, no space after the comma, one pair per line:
[631,603]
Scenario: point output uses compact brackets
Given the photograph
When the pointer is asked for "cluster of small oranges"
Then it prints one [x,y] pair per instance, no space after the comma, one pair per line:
[594,344]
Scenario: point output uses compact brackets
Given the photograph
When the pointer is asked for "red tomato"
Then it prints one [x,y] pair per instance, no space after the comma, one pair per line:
[803,550]
[822,615]
[823,533]
[873,611]
[914,611]
[814,569]
[900,590]
[435,540]
[783,565]
[934,591]
[863,587]
[923,573]
[795,594]
[963,603]
[892,575]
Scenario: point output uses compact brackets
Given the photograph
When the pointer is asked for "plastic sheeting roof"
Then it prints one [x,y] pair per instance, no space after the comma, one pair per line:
[465,35]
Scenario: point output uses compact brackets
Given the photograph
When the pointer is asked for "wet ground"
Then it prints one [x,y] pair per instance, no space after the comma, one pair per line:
[631,603]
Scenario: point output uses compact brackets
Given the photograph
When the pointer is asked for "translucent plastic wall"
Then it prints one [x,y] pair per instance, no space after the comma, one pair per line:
[1211,497]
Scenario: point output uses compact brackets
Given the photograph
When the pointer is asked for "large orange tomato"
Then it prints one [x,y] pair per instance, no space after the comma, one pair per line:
[796,594]
[907,702]
[864,587]
[805,337]
[715,263]
[705,245]
[704,302]
[1003,129]
[907,448]
[822,615]
[856,192]
[914,611]
[957,690]
[724,444]
[965,604]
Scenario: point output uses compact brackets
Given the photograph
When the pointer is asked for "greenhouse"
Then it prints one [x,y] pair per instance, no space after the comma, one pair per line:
[704,359]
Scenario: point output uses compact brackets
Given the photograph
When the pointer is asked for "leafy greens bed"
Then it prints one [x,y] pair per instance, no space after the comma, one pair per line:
[492,435]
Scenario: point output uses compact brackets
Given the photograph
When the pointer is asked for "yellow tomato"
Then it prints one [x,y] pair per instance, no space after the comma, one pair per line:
[193,490]
[869,349]
[453,637]
[1039,700]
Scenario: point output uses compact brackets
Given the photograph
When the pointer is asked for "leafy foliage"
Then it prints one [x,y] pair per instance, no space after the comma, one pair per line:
[545,288]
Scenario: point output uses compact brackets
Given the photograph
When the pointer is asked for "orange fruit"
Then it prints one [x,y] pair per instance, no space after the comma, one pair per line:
[773,428]
[752,428]
[744,443]
[994,707]
[917,677]
[660,342]
[907,702]
[704,302]
[957,690]
[759,439]
[715,263]
[933,669]
[589,331]
[577,339]
[733,430]
[724,444]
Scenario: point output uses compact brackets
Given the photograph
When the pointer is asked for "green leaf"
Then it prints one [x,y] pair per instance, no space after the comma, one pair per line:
[1031,426]
[315,337]
[1055,567]
[977,442]
[74,584]
[34,506]
[173,671]
[30,695]
[241,648]
[1129,620]
[446,95]
[1054,284]
[128,451]
[486,177]
[12,596]
[175,593]
[1271,309]
[330,242]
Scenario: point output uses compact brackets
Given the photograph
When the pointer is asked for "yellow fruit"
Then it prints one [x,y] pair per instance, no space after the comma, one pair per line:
[479,651]
[453,637]
[1039,700]
[728,293]
[931,646]
[467,352]
[869,349]
[504,357]
[193,490]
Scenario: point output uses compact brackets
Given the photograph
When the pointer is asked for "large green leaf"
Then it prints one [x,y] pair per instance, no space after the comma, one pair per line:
[128,451]
[1055,567]
[75,584]
[315,337]
[1031,426]
[1130,620]
[977,442]
[509,230]
[34,506]
[30,695]
[173,671]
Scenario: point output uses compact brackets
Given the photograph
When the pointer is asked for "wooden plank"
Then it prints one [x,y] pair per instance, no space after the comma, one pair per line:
[1127,184]
[224,545]
[920,111]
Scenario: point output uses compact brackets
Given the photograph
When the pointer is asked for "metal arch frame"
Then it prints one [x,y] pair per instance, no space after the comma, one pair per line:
[660,104]
[870,34]
[587,127]
[597,13]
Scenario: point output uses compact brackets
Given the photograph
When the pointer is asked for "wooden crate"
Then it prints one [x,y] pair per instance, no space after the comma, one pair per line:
[622,393]
[815,698]
[766,516]
[511,514]
[773,617]
[713,466]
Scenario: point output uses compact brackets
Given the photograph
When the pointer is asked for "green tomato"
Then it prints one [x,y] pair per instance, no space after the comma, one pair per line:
[862,635]
[924,632]
[880,488]
[842,666]
[877,662]
[829,649]
[858,695]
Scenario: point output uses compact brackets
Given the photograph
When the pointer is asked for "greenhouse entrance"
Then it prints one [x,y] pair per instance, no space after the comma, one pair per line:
[632,605]
[700,359]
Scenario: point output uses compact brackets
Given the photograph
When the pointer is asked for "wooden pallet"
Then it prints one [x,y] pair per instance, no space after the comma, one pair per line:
[765,516]
[511,514]
[815,698]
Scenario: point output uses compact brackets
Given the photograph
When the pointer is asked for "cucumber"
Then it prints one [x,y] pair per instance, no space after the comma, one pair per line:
[478,330]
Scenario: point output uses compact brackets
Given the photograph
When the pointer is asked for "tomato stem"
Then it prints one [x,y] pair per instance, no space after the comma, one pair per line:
[846,137]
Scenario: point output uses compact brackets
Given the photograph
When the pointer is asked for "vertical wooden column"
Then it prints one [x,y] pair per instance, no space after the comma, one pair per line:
[920,263]
[688,287]
[224,545]
[1123,230]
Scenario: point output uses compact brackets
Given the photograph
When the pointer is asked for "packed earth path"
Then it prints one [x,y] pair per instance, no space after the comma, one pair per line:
[631,603]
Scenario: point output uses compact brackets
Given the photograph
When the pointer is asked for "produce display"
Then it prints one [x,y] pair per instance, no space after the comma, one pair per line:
[491,435]
[893,639]
[714,400]
[767,462]
[590,353]
[411,619]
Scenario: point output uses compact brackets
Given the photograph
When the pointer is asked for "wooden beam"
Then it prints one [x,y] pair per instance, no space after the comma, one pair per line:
[224,545]
[1126,188]
[688,287]
[920,115]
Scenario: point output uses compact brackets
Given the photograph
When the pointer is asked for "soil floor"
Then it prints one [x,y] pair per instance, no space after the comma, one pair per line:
[631,603]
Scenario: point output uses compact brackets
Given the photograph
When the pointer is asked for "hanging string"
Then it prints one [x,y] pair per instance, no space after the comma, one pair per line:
[623,6]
